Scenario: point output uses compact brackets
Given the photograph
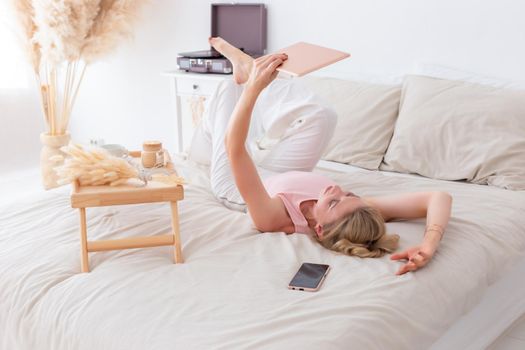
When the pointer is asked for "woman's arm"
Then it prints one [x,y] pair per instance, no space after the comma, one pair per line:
[264,210]
[435,206]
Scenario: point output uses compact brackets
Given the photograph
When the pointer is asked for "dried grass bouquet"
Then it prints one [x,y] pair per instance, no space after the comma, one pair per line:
[62,38]
[95,166]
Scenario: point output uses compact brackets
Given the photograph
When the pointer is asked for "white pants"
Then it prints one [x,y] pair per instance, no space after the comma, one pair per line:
[289,130]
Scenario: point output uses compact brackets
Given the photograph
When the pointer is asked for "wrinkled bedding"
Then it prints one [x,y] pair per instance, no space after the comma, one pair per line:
[231,292]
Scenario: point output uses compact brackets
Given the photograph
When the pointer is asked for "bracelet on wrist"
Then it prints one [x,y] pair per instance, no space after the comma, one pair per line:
[435,228]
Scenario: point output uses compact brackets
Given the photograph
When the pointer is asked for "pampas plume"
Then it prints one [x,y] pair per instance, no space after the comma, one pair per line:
[62,37]
[112,24]
[93,167]
[24,12]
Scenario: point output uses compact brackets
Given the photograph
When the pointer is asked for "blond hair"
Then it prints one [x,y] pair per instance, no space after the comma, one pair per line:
[362,234]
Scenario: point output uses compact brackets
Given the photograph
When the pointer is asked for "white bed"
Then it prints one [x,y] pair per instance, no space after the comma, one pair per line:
[231,292]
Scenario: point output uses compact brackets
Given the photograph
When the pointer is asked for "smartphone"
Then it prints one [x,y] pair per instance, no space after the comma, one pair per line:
[309,277]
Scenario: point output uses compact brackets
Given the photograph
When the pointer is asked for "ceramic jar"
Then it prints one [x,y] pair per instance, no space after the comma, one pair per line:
[152,154]
[50,148]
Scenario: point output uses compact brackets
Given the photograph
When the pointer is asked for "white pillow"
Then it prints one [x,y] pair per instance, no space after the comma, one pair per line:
[366,117]
[456,130]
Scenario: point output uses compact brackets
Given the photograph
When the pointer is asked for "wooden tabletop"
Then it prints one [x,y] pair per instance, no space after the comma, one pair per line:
[131,193]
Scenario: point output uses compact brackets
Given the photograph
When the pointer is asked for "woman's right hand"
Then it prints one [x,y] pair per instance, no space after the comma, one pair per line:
[264,71]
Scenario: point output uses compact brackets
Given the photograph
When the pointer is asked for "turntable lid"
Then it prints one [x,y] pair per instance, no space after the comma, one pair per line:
[242,25]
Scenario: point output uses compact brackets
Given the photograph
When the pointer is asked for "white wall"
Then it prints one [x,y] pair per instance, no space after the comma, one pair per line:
[125,99]
[21,123]
[385,38]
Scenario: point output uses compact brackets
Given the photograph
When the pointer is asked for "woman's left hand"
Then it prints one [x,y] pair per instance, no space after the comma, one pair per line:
[417,256]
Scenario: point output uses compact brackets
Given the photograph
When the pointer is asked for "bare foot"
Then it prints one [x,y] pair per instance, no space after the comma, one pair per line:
[242,63]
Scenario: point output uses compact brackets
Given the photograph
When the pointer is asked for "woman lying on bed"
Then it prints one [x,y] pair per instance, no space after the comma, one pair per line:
[292,198]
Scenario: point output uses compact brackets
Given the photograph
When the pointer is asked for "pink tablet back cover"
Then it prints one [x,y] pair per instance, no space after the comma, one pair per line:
[304,58]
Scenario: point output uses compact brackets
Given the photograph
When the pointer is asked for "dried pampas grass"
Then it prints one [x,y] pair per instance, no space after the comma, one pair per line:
[62,27]
[62,37]
[96,167]
[112,24]
[24,12]
[93,167]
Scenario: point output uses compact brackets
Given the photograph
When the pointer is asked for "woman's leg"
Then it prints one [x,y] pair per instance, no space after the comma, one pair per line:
[300,136]
[200,150]
[221,107]
[296,128]
[290,115]
[216,120]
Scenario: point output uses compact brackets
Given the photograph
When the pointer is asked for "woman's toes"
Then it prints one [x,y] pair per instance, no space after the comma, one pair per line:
[214,41]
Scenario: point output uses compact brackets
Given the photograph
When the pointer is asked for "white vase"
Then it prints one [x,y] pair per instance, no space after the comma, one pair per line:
[51,147]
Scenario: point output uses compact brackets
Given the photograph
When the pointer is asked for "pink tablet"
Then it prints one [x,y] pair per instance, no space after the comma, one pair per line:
[304,58]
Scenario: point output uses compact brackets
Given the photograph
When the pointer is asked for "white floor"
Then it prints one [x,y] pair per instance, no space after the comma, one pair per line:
[513,339]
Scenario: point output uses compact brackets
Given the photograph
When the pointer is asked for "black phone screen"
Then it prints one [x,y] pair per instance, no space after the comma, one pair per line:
[309,275]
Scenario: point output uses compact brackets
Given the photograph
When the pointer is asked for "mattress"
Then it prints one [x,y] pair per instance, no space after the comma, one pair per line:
[231,292]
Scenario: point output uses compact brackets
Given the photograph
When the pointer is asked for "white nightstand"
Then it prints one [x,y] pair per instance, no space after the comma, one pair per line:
[191,88]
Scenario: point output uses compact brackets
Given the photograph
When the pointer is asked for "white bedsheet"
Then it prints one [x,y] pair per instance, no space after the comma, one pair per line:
[231,292]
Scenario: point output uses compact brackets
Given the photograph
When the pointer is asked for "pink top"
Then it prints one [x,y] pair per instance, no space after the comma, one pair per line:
[295,187]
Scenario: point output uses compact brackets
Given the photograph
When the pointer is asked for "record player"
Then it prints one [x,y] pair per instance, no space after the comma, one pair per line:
[242,25]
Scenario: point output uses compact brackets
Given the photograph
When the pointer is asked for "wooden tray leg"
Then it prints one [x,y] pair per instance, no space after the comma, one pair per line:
[84,263]
[176,234]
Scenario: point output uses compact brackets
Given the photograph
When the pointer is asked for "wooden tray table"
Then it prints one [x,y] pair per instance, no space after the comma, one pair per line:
[83,197]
